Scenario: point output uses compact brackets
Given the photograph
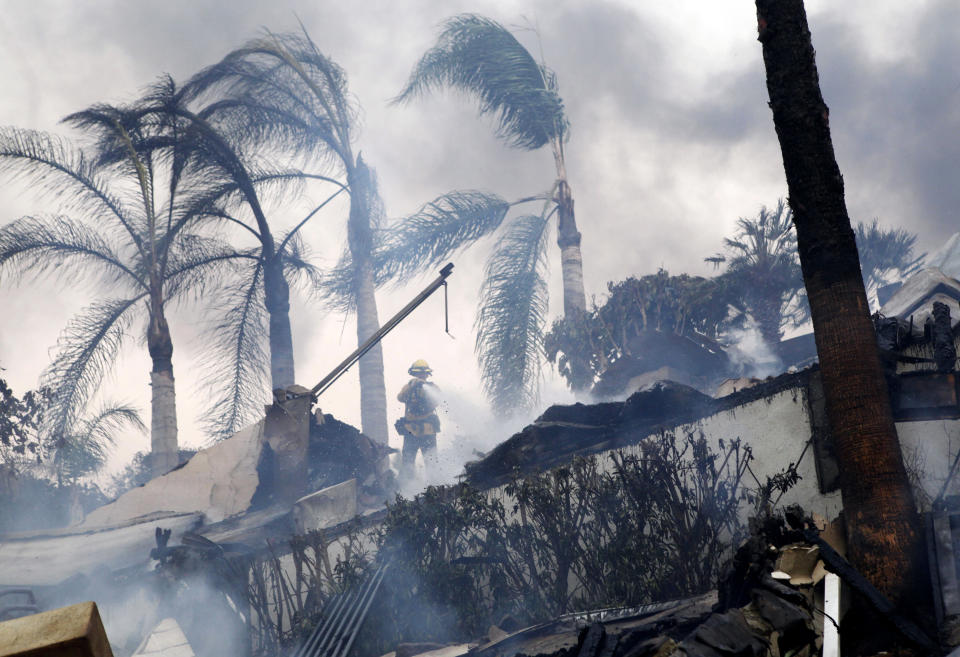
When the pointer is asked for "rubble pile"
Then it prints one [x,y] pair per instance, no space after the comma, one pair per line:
[335,452]
[339,452]
[753,614]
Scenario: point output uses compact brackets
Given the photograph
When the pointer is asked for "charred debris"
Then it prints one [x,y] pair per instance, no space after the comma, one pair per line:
[678,521]
[280,533]
[599,529]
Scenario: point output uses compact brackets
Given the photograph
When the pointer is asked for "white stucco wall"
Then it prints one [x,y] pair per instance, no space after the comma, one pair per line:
[777,429]
[929,450]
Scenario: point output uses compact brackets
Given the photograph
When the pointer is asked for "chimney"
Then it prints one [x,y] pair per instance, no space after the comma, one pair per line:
[944,351]
[287,431]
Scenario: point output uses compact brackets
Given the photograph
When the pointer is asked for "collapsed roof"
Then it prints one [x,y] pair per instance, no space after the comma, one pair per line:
[227,492]
[916,296]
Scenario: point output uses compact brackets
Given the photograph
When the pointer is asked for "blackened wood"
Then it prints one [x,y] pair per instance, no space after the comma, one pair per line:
[944,351]
[861,586]
[592,640]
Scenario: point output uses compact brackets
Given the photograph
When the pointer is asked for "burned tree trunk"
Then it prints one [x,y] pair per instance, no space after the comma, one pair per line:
[568,239]
[882,522]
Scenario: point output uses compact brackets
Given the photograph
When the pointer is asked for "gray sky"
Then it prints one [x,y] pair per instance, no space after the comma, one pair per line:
[671,141]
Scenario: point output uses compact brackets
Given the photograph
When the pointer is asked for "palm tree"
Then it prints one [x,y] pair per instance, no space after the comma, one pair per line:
[296,99]
[885,255]
[479,56]
[883,528]
[292,98]
[763,264]
[214,149]
[123,243]
[83,451]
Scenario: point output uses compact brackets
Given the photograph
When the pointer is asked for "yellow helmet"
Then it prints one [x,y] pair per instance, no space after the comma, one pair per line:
[419,367]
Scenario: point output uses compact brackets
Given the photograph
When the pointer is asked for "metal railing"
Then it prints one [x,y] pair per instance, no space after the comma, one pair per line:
[343,617]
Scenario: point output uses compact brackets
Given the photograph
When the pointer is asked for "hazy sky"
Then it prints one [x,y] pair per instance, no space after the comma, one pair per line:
[671,141]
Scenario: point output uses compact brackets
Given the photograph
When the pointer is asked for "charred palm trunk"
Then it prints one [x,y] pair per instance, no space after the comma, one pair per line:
[882,522]
[373,390]
[277,301]
[568,239]
[164,452]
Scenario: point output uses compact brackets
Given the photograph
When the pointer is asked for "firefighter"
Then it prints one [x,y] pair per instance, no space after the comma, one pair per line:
[420,424]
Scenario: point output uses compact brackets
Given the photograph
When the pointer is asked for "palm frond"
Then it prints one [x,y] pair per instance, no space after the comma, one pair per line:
[414,244]
[297,268]
[288,94]
[51,165]
[513,308]
[84,450]
[88,348]
[205,198]
[63,247]
[436,231]
[885,253]
[337,286]
[199,263]
[236,369]
[479,56]
[121,136]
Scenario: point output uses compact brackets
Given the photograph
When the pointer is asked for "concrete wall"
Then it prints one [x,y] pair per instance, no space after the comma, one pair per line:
[929,450]
[779,430]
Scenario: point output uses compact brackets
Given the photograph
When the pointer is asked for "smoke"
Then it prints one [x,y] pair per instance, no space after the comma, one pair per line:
[132,601]
[749,353]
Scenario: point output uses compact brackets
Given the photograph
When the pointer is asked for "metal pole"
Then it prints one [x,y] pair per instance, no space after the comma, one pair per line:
[346,627]
[329,379]
[378,580]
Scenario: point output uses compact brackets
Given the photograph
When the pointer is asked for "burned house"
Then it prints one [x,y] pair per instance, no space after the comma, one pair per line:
[298,471]
[260,484]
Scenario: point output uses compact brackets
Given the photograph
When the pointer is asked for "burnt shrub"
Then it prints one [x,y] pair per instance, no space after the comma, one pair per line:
[643,525]
[654,522]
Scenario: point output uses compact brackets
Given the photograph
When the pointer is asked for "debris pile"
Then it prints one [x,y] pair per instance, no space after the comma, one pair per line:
[754,614]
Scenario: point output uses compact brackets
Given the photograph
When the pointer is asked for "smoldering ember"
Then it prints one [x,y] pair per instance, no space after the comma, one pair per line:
[760,456]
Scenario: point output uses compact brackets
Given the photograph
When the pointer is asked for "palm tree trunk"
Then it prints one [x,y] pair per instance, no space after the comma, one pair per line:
[277,300]
[373,389]
[882,524]
[276,289]
[766,312]
[164,452]
[568,239]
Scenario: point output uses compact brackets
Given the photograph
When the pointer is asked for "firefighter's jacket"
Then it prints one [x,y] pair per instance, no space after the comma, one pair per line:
[420,398]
